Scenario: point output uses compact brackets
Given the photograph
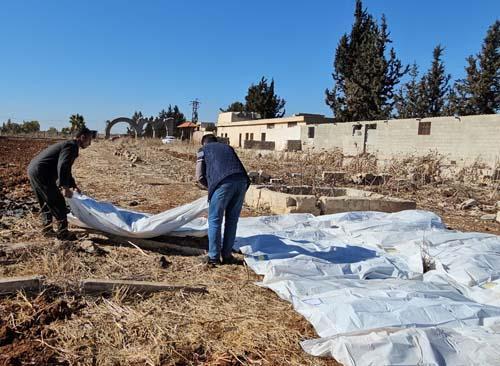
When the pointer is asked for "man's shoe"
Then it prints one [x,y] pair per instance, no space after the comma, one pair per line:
[209,262]
[232,260]
[66,235]
[48,232]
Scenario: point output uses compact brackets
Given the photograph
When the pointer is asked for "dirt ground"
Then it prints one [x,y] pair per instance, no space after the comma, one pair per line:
[235,323]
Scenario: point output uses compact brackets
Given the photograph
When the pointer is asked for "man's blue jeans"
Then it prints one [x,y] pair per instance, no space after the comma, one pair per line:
[227,200]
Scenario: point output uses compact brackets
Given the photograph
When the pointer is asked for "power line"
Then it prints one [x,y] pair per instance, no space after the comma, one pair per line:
[195,104]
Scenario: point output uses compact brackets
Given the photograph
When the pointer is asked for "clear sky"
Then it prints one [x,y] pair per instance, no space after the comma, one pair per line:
[108,58]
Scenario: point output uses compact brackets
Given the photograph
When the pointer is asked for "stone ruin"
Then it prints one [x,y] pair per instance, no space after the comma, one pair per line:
[282,199]
[139,126]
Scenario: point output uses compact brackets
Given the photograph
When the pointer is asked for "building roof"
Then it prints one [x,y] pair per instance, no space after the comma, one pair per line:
[187,124]
[302,118]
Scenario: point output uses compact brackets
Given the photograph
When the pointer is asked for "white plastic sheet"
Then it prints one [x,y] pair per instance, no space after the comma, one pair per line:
[358,278]
[181,221]
[412,346]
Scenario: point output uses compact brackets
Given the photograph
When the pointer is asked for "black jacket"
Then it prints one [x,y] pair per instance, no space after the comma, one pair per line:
[54,164]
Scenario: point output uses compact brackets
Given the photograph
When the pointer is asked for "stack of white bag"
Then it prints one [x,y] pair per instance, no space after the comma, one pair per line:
[103,216]
[358,278]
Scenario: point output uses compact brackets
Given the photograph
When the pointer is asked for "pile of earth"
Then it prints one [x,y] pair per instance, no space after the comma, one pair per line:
[27,341]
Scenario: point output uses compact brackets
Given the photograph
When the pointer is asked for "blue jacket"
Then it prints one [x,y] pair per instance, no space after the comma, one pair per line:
[220,161]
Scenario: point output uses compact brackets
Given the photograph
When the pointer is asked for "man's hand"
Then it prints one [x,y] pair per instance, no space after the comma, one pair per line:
[78,189]
[67,192]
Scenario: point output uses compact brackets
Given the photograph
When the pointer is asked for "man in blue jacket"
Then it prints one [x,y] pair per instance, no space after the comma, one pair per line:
[220,170]
[51,179]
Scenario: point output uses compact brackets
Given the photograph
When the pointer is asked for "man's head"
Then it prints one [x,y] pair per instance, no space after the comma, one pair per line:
[208,139]
[84,137]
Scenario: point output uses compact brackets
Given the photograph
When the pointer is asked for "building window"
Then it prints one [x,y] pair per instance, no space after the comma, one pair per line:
[246,136]
[424,128]
[310,132]
[270,125]
[251,136]
[262,137]
[292,124]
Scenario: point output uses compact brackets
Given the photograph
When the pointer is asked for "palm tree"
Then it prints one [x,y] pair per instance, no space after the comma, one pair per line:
[77,122]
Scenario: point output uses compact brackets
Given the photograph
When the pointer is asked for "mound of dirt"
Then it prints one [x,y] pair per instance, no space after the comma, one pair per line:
[15,156]
[27,341]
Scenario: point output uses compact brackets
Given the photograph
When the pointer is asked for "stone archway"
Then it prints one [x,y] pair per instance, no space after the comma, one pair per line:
[135,127]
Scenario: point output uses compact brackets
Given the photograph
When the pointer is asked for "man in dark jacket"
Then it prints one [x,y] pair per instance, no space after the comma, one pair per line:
[220,170]
[50,177]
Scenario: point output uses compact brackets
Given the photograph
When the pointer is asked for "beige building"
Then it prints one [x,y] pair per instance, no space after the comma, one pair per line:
[461,138]
[285,133]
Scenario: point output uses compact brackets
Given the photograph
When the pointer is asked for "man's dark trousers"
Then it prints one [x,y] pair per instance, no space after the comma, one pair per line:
[51,200]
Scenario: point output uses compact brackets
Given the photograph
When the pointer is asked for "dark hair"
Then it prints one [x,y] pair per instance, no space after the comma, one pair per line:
[84,131]
[208,138]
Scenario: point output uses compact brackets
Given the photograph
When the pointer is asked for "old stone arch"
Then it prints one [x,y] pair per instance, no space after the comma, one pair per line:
[135,127]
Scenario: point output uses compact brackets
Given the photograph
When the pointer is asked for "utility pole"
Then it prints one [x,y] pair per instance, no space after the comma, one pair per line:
[195,104]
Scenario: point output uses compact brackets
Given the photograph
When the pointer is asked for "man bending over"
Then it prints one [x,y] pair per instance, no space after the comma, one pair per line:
[50,177]
[220,170]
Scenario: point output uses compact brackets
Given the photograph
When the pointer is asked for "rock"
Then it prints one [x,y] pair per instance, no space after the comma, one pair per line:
[489,209]
[468,204]
[370,179]
[488,217]
[133,203]
[276,181]
[254,176]
[264,177]
[88,246]
[164,263]
[498,216]
[296,175]
[497,206]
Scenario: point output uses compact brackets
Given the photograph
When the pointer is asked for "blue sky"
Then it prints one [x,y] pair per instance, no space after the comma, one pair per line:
[108,58]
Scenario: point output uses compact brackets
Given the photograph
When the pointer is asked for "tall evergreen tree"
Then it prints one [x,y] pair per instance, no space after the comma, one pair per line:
[176,114]
[137,116]
[408,99]
[234,107]
[262,99]
[434,86]
[479,92]
[364,75]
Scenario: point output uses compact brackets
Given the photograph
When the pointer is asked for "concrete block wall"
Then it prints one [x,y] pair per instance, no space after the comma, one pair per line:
[259,145]
[462,139]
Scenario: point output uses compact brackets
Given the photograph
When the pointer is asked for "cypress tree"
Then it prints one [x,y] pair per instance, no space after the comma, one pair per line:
[408,99]
[364,76]
[234,107]
[434,86]
[479,92]
[262,99]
